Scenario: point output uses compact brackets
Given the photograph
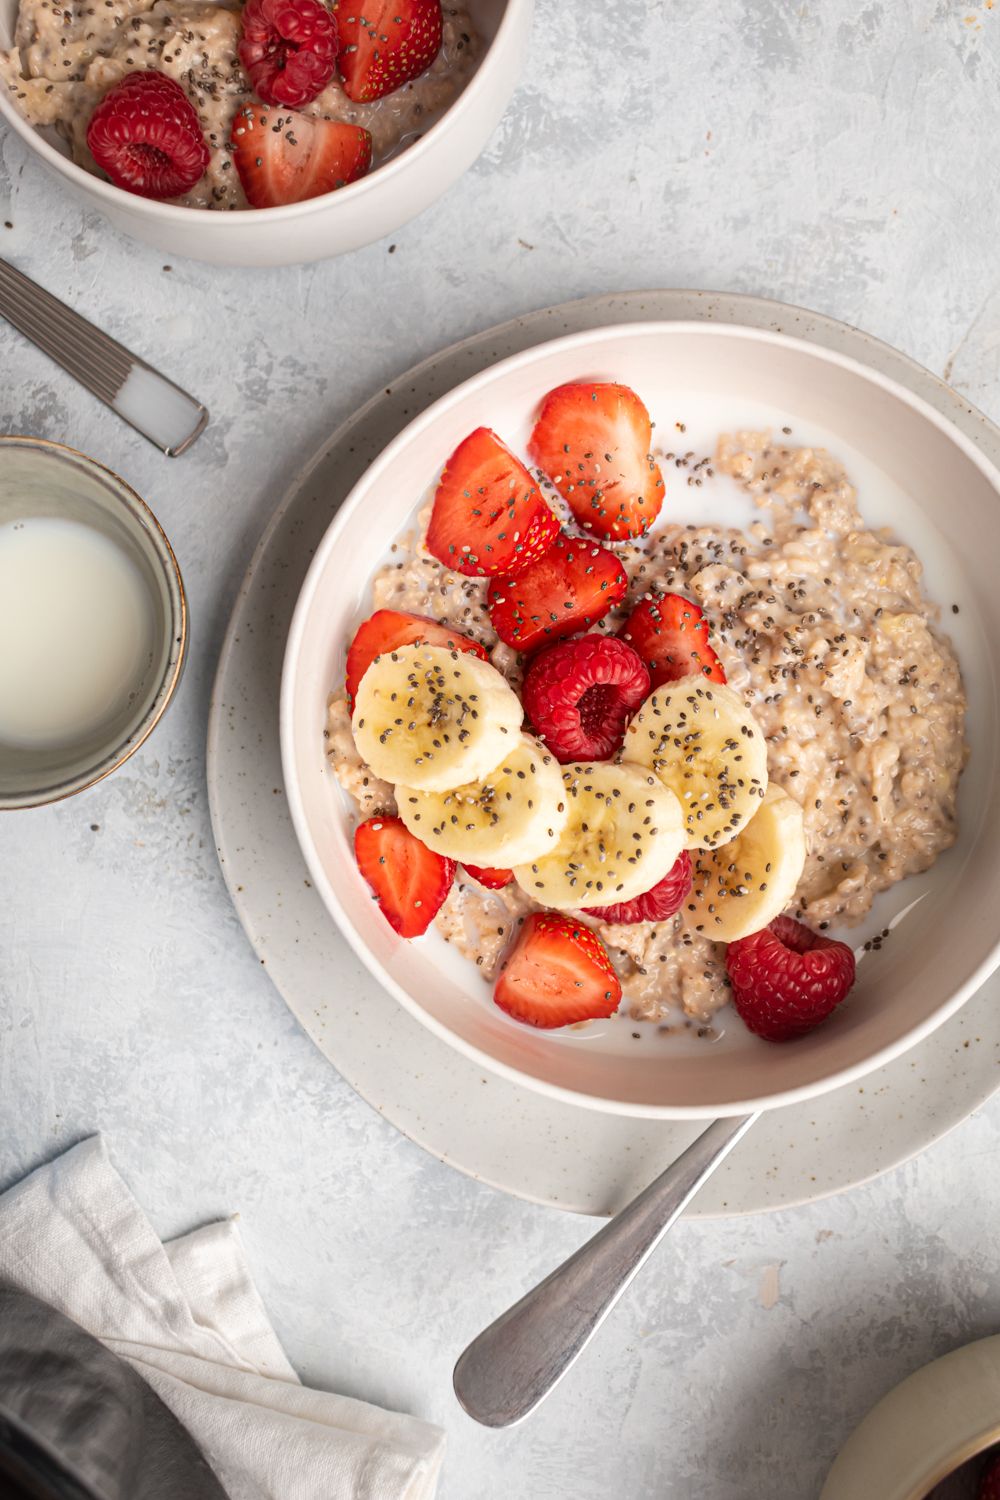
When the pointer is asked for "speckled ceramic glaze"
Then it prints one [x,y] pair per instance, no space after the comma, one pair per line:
[437,1097]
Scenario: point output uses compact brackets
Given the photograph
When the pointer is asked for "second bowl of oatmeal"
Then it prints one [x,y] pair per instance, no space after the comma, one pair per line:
[830,525]
[58,62]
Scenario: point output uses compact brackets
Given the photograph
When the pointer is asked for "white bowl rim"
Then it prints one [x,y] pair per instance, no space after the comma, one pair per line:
[838,1079]
[180,213]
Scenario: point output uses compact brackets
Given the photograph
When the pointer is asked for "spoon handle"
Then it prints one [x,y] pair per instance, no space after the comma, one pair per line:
[514,1363]
[140,395]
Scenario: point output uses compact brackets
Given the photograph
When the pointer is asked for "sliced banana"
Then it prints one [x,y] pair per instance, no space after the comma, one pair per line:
[516,812]
[706,746]
[743,886]
[434,718]
[624,831]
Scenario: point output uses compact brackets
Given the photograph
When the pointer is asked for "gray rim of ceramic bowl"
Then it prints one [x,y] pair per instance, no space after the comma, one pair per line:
[348,194]
[178,625]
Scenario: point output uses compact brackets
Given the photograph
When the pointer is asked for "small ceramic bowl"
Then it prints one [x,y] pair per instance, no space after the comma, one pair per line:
[337,222]
[924,1430]
[44,480]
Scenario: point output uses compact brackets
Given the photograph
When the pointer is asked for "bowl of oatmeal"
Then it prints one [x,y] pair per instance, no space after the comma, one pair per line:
[370,151]
[826,529]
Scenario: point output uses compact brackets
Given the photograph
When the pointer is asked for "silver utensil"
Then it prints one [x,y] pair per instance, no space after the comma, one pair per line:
[140,395]
[514,1364]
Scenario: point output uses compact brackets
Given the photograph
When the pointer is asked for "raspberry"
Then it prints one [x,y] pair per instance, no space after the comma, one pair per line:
[147,137]
[289,49]
[786,978]
[580,694]
[655,905]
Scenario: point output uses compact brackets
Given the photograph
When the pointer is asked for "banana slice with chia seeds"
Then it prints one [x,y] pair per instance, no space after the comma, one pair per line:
[624,831]
[741,887]
[432,717]
[705,745]
[514,813]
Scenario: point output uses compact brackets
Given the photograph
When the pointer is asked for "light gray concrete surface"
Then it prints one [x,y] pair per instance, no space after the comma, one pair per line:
[838,155]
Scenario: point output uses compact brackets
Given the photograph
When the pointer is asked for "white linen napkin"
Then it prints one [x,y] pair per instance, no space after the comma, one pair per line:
[188,1317]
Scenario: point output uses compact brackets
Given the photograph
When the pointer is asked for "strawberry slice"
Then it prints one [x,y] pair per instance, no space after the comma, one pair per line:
[670,633]
[593,441]
[488,516]
[385,43]
[388,629]
[284,157]
[410,881]
[569,589]
[492,879]
[557,973]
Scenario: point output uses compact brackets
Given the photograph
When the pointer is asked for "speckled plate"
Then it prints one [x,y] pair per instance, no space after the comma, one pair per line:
[520,1141]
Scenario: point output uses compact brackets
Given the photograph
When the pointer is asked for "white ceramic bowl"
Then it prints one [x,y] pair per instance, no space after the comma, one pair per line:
[915,472]
[353,216]
[940,1418]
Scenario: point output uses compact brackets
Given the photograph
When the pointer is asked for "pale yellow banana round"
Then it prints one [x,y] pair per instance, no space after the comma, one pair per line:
[741,887]
[623,833]
[705,745]
[517,812]
[434,718]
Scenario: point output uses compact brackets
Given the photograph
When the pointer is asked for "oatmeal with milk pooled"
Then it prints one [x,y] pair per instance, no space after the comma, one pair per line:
[68,54]
[822,628]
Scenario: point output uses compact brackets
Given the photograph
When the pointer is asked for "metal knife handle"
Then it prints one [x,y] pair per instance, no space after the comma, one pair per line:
[140,395]
[513,1364]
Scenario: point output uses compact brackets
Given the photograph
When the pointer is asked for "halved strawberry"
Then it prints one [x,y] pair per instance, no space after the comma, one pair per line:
[284,157]
[488,516]
[670,633]
[388,629]
[385,43]
[569,589]
[409,880]
[593,441]
[493,880]
[558,972]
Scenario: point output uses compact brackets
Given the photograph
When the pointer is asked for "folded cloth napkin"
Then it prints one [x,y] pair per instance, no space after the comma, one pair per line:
[188,1317]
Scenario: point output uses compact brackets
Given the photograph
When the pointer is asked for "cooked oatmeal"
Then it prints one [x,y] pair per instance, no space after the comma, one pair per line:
[68,53]
[823,626]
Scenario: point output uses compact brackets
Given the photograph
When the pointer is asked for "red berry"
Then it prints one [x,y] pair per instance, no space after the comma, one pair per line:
[409,880]
[786,978]
[989,1484]
[580,694]
[388,629]
[573,586]
[593,440]
[488,516]
[289,49]
[670,633]
[655,905]
[492,879]
[286,158]
[385,43]
[147,137]
[557,973]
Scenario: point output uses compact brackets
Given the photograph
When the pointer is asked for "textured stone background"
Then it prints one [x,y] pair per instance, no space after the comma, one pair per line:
[841,155]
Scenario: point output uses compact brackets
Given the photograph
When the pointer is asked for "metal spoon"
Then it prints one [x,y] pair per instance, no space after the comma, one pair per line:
[513,1364]
[140,395]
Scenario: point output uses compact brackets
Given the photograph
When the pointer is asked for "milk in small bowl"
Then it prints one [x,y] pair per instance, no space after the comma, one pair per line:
[93,621]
